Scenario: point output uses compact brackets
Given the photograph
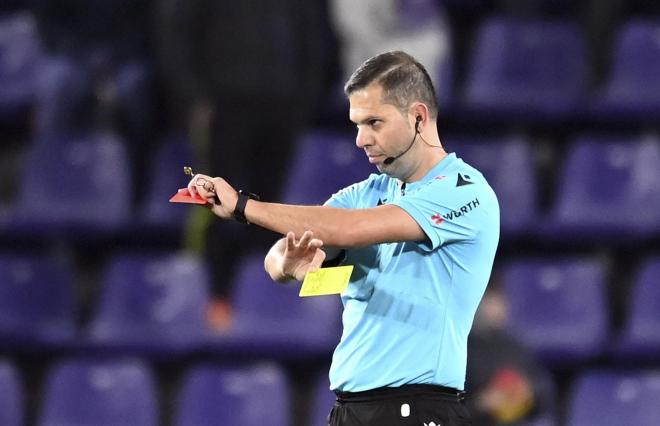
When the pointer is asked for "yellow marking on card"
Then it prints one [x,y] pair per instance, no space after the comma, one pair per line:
[326,281]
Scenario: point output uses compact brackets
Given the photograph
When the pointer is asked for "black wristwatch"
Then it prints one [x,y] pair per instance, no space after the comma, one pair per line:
[239,210]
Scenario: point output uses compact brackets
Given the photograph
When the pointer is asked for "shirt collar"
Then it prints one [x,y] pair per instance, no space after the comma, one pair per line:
[436,172]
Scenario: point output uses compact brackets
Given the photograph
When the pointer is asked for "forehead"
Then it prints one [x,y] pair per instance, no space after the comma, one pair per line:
[368,102]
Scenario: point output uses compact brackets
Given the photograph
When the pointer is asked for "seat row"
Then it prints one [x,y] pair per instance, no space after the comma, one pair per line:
[106,392]
[518,69]
[155,306]
[125,391]
[604,186]
[538,69]
[560,309]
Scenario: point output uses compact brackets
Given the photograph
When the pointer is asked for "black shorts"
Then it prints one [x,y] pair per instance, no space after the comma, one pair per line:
[410,405]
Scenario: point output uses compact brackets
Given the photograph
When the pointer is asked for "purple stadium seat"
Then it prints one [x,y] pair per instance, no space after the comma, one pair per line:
[322,401]
[271,320]
[62,84]
[242,396]
[167,173]
[558,308]
[151,304]
[36,301]
[641,335]
[20,55]
[633,87]
[508,165]
[324,164]
[608,187]
[74,184]
[11,396]
[526,69]
[99,393]
[609,398]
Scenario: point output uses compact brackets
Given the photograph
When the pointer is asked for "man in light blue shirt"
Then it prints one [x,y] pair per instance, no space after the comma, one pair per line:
[422,237]
[408,313]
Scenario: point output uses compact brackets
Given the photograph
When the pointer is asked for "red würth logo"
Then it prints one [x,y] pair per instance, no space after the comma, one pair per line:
[437,219]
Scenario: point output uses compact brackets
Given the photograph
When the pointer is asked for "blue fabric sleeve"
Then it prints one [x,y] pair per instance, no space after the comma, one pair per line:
[447,213]
[349,197]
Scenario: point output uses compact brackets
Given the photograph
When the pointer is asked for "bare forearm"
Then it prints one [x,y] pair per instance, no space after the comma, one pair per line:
[325,222]
[335,227]
[342,228]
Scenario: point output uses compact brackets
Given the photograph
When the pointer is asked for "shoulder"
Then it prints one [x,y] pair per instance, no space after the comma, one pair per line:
[461,177]
[459,186]
[361,194]
[374,183]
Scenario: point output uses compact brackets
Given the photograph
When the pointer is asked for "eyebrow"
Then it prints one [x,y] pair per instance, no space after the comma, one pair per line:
[367,119]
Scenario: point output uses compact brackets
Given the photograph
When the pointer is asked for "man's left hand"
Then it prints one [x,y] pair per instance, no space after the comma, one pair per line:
[221,196]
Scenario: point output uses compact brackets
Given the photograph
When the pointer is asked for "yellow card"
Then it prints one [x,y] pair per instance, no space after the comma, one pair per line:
[326,281]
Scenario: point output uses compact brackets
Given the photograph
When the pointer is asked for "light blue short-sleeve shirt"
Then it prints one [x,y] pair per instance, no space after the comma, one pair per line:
[409,306]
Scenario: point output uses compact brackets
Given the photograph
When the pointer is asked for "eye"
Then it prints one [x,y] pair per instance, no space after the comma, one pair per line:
[372,123]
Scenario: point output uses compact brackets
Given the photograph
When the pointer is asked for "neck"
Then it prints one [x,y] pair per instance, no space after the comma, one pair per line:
[431,153]
[426,165]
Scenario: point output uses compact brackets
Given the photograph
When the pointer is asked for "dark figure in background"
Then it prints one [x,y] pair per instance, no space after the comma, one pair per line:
[81,25]
[508,385]
[250,74]
[98,74]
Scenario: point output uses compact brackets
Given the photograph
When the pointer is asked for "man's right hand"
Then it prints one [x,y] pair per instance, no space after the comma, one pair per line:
[291,259]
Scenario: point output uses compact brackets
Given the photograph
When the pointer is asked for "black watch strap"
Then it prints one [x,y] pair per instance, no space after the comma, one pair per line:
[239,210]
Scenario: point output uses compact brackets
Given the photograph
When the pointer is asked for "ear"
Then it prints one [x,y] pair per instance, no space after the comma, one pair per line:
[421,113]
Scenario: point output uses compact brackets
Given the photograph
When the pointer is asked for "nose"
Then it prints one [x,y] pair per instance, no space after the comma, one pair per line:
[362,138]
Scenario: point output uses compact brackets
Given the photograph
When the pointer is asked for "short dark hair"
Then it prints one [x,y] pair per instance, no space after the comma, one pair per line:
[403,79]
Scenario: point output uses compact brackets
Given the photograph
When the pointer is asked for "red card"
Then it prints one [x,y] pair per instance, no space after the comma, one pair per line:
[183,196]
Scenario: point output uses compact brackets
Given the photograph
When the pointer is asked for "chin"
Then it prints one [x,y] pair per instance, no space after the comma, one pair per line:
[389,170]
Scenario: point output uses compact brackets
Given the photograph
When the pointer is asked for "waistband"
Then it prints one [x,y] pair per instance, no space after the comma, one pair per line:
[405,391]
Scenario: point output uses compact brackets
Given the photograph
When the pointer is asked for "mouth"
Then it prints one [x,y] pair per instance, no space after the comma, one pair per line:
[374,158]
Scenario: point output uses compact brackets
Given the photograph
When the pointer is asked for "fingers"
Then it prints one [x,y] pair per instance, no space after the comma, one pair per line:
[319,258]
[317,262]
[290,241]
[306,242]
[191,186]
[305,239]
[203,186]
[197,183]
[315,243]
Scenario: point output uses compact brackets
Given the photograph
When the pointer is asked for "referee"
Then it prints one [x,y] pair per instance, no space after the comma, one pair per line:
[422,237]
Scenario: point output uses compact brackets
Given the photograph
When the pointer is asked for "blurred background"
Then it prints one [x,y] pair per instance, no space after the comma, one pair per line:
[118,308]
